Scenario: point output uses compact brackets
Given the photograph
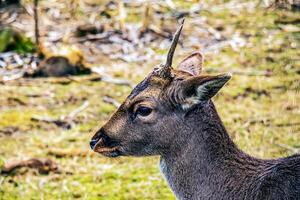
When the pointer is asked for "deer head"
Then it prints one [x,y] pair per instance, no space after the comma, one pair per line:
[151,119]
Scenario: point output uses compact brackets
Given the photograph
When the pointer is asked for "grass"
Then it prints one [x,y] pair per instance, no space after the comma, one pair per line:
[261,113]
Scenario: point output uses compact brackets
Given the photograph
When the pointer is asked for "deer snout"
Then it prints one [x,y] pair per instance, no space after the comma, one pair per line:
[101,140]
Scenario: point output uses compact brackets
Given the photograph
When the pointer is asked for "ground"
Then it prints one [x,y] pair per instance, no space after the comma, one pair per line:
[260,107]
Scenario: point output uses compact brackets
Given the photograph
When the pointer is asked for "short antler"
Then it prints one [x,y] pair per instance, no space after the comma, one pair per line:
[173,46]
[165,71]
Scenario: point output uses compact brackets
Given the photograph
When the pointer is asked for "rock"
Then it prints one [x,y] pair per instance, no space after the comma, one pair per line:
[58,66]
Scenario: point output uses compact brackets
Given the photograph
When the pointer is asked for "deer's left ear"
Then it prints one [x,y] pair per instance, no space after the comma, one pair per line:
[200,88]
[192,64]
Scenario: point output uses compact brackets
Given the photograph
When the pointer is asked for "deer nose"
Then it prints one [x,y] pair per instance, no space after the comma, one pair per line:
[100,134]
[96,138]
[93,143]
[105,139]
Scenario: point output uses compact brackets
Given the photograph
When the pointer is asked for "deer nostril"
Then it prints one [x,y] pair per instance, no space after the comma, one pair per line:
[96,138]
[93,143]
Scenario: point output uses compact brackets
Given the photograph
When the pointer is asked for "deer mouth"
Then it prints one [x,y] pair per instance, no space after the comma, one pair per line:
[110,150]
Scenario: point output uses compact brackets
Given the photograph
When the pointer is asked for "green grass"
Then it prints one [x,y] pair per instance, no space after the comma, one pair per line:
[262,114]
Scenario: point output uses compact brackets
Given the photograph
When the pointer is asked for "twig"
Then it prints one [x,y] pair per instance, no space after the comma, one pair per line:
[67,80]
[59,153]
[244,73]
[104,79]
[287,124]
[122,15]
[36,24]
[1,180]
[214,32]
[75,112]
[109,79]
[146,17]
[58,122]
[65,122]
[62,80]
[116,81]
[12,18]
[112,101]
[159,32]
[285,146]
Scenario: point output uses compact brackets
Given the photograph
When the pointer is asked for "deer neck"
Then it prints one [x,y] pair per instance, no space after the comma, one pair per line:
[205,158]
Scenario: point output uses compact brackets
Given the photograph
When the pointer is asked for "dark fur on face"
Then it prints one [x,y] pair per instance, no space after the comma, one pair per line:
[167,100]
[141,121]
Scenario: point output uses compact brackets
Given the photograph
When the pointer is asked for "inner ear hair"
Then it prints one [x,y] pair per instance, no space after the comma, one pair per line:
[210,88]
[192,64]
[202,88]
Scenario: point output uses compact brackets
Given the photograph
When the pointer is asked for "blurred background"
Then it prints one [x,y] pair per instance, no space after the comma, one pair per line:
[65,66]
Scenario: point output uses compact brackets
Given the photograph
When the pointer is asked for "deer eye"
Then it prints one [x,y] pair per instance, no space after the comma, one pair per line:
[143,111]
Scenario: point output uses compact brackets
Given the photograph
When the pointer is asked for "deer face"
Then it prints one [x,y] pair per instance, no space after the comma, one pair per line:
[150,119]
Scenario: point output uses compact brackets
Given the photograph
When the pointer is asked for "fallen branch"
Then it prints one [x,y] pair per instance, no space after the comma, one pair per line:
[44,167]
[12,77]
[100,37]
[59,153]
[65,122]
[58,122]
[9,130]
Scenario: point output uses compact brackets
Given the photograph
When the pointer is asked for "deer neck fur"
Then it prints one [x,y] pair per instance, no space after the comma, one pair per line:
[206,161]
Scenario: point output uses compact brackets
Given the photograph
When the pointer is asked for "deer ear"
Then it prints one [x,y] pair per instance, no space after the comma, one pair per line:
[201,88]
[192,64]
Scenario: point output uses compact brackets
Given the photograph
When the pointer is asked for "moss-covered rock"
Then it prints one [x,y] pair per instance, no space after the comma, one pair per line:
[13,40]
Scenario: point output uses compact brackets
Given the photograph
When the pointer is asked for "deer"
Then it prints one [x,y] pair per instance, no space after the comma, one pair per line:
[171,114]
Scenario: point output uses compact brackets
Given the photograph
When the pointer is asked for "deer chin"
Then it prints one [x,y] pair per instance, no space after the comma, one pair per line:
[101,148]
